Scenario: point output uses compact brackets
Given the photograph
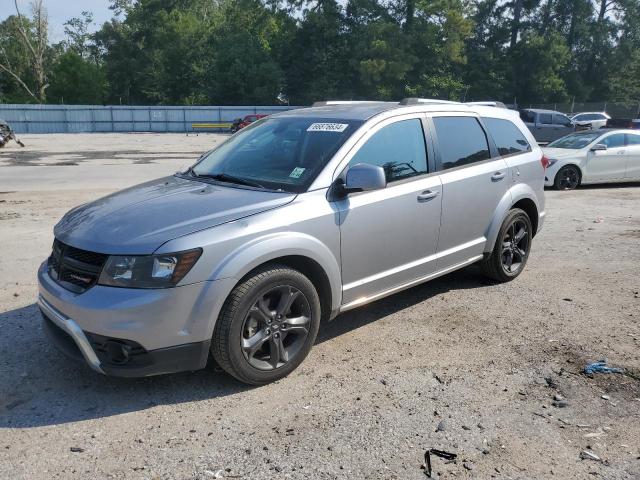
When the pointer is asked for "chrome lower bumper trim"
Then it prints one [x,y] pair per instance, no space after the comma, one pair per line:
[74,331]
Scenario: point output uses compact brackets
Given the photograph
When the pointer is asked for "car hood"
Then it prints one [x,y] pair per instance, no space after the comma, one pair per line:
[141,218]
[559,153]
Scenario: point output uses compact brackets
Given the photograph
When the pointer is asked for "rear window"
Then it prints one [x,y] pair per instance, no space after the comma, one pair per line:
[507,137]
[461,141]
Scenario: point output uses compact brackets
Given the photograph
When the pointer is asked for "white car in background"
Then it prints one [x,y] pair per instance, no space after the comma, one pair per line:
[594,120]
[599,156]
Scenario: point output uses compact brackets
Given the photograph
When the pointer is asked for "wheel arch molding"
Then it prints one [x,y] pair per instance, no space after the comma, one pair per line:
[519,196]
[294,249]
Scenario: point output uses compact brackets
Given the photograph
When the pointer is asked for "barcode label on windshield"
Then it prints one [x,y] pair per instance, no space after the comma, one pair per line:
[328,127]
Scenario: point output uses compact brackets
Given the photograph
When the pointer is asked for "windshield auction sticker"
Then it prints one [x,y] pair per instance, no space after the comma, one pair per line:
[328,127]
[297,172]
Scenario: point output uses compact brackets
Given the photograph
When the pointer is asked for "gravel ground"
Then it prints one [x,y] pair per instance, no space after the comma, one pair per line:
[458,364]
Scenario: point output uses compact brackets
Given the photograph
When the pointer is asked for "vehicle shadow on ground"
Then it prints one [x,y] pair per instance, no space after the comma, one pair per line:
[608,186]
[39,386]
[469,277]
[602,186]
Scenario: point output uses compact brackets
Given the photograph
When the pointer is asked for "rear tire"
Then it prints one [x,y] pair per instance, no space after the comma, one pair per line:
[567,178]
[511,251]
[267,325]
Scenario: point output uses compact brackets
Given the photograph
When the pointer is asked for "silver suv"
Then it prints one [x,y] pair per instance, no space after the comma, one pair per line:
[293,220]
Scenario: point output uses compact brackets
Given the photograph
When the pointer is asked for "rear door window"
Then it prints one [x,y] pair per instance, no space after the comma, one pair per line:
[561,120]
[461,141]
[546,118]
[507,137]
[398,148]
[633,139]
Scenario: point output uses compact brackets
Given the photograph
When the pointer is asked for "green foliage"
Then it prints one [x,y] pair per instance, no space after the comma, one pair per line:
[262,52]
[75,80]
[538,63]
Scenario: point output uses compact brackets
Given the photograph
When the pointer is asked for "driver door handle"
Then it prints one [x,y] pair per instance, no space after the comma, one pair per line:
[497,176]
[427,195]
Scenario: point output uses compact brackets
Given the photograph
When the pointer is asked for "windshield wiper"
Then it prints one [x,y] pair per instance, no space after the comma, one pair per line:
[225,177]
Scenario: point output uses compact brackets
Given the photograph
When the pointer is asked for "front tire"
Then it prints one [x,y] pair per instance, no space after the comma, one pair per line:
[567,178]
[511,251]
[267,325]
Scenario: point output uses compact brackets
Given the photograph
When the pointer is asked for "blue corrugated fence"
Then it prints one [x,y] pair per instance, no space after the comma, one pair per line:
[122,118]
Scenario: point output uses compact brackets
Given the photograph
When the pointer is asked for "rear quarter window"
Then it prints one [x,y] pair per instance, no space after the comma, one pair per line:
[507,137]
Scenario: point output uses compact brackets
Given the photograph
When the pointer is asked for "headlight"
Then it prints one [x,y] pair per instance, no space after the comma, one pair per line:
[148,271]
[551,162]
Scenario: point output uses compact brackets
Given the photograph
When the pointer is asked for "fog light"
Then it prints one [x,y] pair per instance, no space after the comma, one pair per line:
[118,353]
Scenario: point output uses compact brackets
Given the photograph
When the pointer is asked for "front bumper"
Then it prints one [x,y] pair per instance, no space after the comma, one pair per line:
[166,330]
[80,346]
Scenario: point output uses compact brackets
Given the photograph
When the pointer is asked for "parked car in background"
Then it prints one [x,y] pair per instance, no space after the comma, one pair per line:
[599,156]
[546,125]
[240,123]
[308,214]
[632,124]
[592,120]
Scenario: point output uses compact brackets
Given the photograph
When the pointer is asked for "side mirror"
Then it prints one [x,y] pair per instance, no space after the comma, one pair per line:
[599,147]
[363,177]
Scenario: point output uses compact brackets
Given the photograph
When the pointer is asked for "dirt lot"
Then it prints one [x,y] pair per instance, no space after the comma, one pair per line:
[458,364]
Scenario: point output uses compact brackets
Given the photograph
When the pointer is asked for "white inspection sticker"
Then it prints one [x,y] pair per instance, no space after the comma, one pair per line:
[297,172]
[328,127]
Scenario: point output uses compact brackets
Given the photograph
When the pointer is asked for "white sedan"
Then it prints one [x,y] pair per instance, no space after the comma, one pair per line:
[594,120]
[587,157]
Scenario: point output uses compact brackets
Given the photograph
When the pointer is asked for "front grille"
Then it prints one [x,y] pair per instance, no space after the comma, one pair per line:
[75,269]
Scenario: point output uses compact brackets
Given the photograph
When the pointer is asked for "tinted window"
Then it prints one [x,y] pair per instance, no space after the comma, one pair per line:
[527,116]
[508,138]
[613,141]
[461,141]
[546,119]
[561,120]
[398,148]
[633,139]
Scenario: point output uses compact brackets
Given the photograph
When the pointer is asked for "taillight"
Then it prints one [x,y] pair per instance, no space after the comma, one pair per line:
[545,162]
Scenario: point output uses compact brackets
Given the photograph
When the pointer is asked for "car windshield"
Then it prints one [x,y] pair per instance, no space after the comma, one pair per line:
[575,141]
[284,153]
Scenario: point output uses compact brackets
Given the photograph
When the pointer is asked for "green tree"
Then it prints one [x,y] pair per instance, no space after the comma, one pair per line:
[538,64]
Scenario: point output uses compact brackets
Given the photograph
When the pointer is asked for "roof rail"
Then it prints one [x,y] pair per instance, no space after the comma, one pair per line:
[416,101]
[489,103]
[342,102]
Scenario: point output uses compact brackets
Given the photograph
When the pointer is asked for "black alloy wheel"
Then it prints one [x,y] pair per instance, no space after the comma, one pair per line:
[267,325]
[511,250]
[567,178]
[515,246]
[276,327]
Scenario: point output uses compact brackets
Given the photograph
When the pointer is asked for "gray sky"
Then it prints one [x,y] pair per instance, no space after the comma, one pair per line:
[60,11]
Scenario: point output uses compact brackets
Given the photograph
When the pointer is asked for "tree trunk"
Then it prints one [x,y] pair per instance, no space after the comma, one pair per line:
[410,12]
[515,24]
[546,17]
